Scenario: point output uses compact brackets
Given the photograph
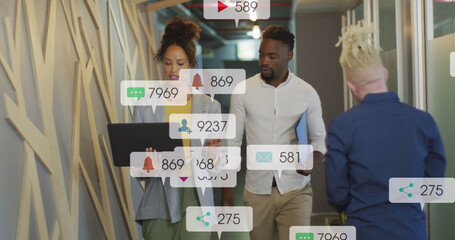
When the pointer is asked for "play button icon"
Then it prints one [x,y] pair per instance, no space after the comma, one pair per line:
[221,6]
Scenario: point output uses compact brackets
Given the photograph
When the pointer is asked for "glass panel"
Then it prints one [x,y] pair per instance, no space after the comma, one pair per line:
[443,17]
[359,12]
[440,96]
[406,24]
[387,41]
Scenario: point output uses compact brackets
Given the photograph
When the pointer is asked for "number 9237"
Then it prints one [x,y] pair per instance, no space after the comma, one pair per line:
[211,126]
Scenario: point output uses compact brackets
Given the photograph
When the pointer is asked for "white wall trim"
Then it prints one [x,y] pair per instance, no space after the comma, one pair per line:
[418,54]
[399,39]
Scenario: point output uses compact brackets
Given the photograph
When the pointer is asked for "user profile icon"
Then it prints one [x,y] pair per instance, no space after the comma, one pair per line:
[184,127]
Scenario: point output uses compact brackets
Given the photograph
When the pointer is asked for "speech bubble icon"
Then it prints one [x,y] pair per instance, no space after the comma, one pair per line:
[158,164]
[204,180]
[279,157]
[236,10]
[219,219]
[215,81]
[154,93]
[135,92]
[422,190]
[307,236]
[202,126]
[322,232]
[214,159]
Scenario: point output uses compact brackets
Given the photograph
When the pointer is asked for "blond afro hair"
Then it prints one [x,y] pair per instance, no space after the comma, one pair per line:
[358,46]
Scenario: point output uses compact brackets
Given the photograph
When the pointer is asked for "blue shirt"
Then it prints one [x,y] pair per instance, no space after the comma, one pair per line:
[376,140]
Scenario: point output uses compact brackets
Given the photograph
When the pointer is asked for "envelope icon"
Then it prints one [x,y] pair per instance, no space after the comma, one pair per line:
[264,157]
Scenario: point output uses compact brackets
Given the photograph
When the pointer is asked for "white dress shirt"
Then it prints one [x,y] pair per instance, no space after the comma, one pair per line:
[269,116]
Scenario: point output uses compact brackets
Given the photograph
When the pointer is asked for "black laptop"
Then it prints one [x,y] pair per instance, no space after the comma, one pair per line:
[135,137]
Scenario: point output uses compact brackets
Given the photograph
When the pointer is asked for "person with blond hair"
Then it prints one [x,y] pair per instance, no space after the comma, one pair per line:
[376,140]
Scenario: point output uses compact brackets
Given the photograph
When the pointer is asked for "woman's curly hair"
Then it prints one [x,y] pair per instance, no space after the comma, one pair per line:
[181,32]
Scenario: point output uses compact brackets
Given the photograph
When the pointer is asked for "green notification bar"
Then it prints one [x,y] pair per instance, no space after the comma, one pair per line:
[135,92]
[304,236]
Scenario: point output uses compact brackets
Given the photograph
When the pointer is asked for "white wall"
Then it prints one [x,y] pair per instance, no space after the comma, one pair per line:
[43,191]
[317,63]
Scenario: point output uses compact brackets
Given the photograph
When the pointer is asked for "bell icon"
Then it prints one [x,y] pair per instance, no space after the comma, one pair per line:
[197,83]
[148,165]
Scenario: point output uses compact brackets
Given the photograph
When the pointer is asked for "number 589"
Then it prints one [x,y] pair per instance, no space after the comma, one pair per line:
[246,6]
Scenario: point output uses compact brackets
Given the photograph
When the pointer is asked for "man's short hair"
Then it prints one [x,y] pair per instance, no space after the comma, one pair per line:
[280,33]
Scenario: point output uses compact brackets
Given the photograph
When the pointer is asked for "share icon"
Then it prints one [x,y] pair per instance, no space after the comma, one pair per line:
[403,190]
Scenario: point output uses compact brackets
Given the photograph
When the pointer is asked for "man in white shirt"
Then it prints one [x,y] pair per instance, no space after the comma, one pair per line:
[269,111]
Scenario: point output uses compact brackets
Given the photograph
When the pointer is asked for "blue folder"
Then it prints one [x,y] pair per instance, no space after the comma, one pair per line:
[301,130]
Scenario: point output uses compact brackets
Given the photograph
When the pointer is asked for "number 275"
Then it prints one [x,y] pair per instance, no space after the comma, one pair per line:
[428,190]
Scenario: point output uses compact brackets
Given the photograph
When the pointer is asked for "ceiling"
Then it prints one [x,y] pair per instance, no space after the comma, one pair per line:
[227,30]
[325,5]
[281,12]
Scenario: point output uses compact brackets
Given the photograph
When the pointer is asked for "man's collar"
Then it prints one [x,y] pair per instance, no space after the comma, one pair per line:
[288,79]
[377,97]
